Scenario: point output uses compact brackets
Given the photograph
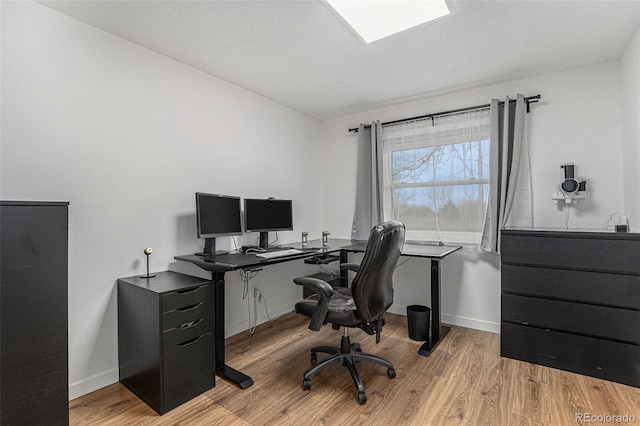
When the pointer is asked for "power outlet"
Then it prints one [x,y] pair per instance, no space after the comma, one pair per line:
[257,294]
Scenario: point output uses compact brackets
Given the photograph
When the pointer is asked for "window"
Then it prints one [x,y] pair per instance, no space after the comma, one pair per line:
[436,176]
[373,20]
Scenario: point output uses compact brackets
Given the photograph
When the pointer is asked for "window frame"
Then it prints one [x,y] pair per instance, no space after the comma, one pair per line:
[430,138]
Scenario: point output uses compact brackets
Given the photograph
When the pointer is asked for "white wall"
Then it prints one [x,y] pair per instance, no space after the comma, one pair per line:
[128,136]
[577,120]
[630,66]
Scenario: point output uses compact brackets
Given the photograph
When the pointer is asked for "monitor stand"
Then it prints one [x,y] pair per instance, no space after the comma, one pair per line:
[264,243]
[264,240]
[210,248]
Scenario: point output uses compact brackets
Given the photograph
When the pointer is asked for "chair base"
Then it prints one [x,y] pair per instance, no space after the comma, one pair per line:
[348,354]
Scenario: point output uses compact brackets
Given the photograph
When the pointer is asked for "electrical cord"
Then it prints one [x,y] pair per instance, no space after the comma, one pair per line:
[274,241]
[566,212]
[246,275]
[264,300]
[405,261]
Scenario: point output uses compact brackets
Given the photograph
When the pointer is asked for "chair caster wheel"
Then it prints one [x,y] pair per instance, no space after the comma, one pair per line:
[314,358]
[361,397]
[306,384]
[391,373]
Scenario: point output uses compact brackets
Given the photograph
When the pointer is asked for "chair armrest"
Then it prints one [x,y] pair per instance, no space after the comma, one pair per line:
[324,290]
[355,267]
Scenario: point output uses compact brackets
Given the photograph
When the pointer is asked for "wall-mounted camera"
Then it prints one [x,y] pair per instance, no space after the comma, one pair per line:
[571,189]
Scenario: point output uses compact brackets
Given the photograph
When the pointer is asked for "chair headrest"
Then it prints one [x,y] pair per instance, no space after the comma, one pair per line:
[386,228]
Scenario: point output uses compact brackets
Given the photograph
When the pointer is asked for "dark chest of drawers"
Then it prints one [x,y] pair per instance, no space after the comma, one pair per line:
[571,300]
[165,338]
[34,377]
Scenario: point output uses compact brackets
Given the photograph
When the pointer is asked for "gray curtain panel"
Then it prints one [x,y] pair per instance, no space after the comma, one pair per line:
[368,210]
[506,139]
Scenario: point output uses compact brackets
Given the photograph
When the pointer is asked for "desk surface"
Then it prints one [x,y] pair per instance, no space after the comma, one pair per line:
[233,261]
[432,251]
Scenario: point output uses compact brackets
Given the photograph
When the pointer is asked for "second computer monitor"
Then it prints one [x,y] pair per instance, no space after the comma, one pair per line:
[264,215]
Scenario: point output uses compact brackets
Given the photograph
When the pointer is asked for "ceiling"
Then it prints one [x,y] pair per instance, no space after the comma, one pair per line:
[297,53]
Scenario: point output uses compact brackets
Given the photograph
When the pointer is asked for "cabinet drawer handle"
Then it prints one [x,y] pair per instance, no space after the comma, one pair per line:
[190,342]
[190,290]
[190,307]
[190,324]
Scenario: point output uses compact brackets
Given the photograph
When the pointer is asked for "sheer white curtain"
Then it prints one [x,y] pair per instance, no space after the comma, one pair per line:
[436,176]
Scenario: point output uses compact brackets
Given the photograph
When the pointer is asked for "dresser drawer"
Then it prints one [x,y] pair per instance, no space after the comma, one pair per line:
[188,297]
[592,320]
[179,317]
[593,252]
[188,370]
[580,286]
[580,354]
[189,332]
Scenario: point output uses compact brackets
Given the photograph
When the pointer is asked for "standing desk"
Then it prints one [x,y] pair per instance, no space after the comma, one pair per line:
[218,265]
[436,254]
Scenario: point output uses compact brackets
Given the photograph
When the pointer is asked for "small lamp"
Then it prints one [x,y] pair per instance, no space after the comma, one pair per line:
[148,252]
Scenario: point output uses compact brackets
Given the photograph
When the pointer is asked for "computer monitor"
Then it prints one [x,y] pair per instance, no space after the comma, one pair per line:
[264,215]
[217,216]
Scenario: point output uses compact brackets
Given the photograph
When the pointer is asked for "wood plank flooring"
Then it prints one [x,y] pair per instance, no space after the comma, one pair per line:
[463,382]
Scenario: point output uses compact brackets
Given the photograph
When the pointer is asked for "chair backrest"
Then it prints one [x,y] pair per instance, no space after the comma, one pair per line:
[372,287]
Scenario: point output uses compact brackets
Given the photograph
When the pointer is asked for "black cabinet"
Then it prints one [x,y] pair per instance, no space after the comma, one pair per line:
[571,300]
[34,381]
[165,338]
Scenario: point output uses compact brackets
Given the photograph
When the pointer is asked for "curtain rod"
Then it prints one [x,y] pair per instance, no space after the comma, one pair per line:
[528,100]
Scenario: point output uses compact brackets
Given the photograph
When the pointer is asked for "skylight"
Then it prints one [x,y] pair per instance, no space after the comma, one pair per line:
[373,20]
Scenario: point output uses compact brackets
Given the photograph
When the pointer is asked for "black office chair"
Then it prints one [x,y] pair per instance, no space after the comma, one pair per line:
[363,305]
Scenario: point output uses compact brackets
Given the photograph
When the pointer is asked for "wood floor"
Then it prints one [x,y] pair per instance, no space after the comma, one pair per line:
[464,381]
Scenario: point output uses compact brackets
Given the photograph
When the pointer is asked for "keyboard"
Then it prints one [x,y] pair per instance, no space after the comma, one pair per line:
[279,253]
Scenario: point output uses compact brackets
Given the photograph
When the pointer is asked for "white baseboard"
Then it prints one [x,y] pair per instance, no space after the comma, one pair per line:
[460,321]
[93,383]
[476,324]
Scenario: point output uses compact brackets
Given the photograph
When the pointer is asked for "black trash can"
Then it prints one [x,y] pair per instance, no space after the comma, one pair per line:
[419,321]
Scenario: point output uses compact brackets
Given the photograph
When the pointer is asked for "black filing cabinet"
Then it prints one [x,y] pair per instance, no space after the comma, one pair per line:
[34,382]
[165,338]
[571,300]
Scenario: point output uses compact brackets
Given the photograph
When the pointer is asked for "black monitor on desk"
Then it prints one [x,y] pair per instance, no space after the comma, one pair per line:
[264,215]
[217,216]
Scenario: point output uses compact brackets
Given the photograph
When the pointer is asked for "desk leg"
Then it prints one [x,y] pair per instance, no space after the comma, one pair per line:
[438,331]
[223,370]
